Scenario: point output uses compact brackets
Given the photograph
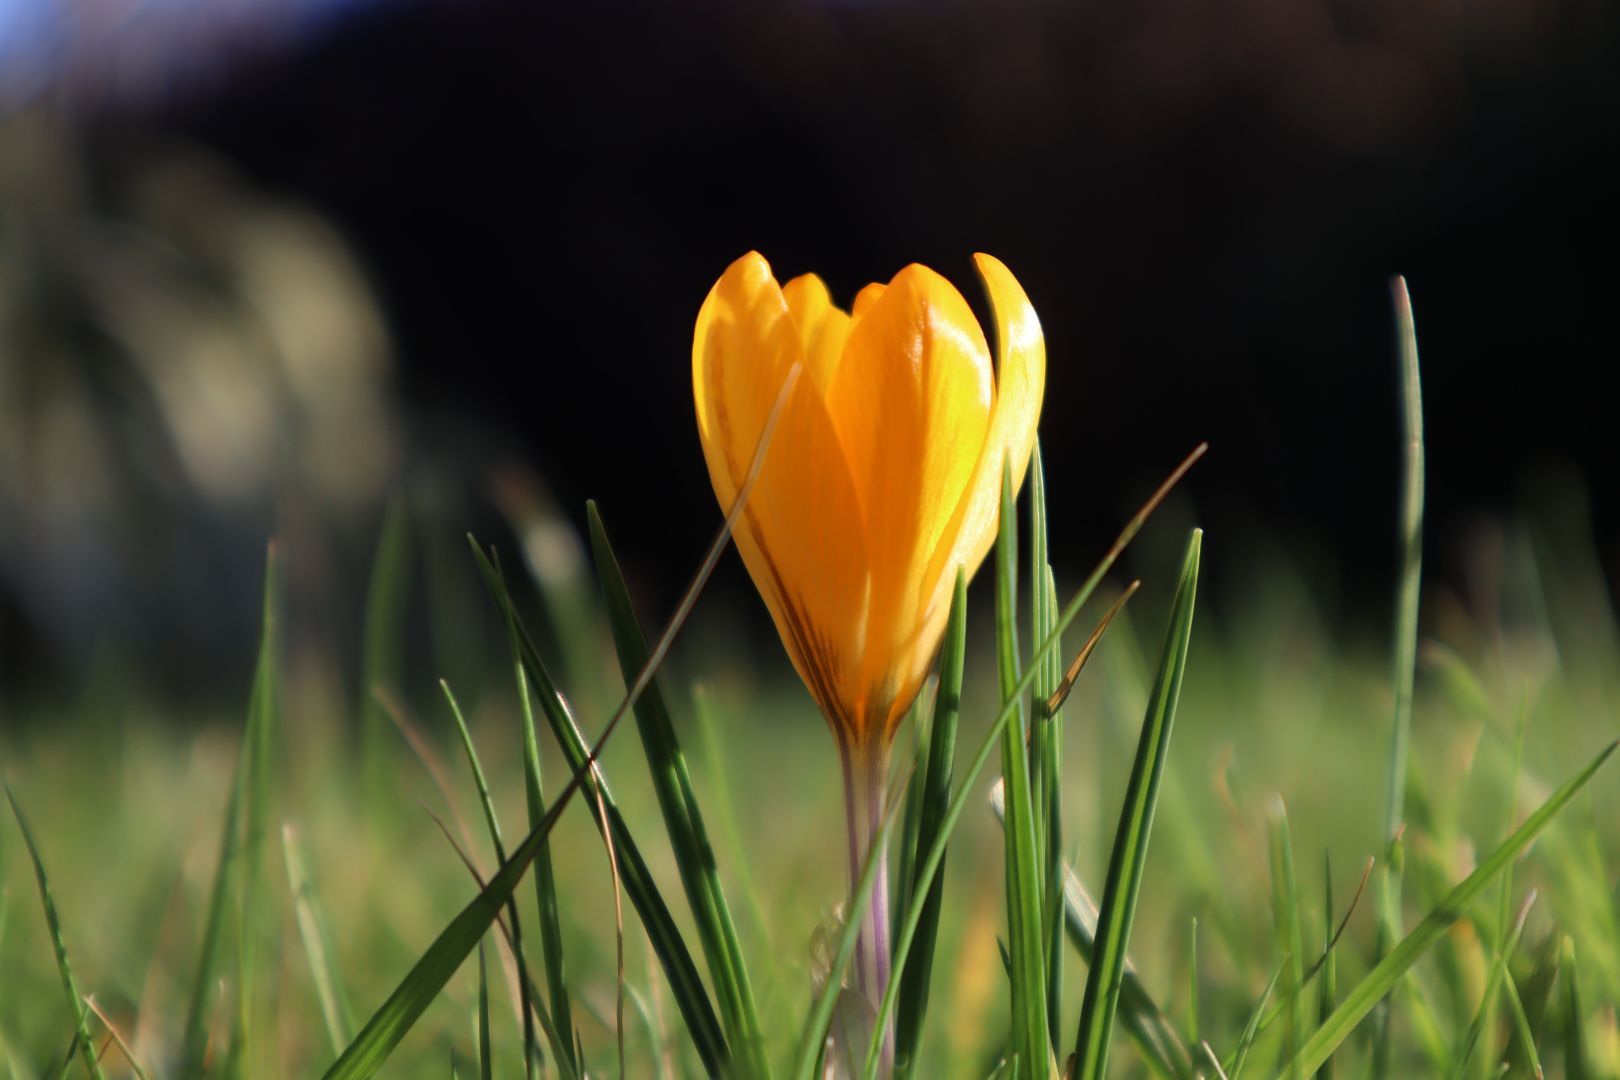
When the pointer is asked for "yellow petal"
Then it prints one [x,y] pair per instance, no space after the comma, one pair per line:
[823,328]
[1020,384]
[911,400]
[801,534]
[866,298]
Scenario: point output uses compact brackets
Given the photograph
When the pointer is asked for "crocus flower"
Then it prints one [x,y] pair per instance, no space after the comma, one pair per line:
[882,480]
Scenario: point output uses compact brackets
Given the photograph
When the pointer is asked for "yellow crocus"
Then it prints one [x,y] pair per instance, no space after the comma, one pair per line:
[883,476]
[882,479]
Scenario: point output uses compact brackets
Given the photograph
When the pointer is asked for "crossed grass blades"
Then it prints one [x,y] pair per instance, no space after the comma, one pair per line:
[1302,1014]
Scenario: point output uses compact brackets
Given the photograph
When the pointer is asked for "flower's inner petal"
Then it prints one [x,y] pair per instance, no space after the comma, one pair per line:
[866,298]
[823,328]
[1020,384]
[801,535]
[911,402]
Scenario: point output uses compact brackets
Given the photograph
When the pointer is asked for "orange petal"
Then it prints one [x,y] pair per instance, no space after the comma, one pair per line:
[823,328]
[911,401]
[801,534]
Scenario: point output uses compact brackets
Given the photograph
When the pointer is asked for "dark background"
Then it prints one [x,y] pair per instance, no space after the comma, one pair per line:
[1204,200]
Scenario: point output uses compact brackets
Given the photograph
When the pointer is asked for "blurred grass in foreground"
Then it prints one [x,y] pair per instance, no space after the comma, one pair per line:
[126,805]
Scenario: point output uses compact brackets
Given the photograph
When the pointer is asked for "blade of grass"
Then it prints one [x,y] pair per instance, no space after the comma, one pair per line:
[1148,1025]
[545,884]
[1128,858]
[64,967]
[485,1069]
[1024,894]
[1240,1057]
[317,943]
[494,825]
[691,997]
[116,1036]
[935,791]
[929,866]
[1405,634]
[1192,985]
[1046,749]
[1328,986]
[1575,1057]
[427,978]
[1285,911]
[382,646]
[683,819]
[1382,978]
[1487,1002]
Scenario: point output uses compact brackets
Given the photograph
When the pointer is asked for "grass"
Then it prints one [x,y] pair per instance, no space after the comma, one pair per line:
[1217,943]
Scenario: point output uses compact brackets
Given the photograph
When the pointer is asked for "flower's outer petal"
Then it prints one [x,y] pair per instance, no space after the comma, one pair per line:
[801,533]
[823,328]
[911,401]
[1020,385]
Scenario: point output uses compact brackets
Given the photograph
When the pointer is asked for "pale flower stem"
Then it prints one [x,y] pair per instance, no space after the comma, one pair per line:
[865,774]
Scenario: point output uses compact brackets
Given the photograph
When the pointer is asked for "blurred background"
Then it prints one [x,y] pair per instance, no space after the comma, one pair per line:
[265,263]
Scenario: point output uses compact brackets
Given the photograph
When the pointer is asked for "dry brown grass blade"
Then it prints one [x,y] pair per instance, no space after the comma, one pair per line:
[115,1035]
[1055,702]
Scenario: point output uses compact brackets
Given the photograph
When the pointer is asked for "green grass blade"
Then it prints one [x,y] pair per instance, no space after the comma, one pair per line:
[1411,549]
[258,740]
[1240,1057]
[545,882]
[935,791]
[1125,863]
[929,866]
[1382,978]
[1046,749]
[690,995]
[492,822]
[1487,1002]
[1405,634]
[1192,984]
[1327,987]
[1285,912]
[1575,1057]
[485,1067]
[382,645]
[683,819]
[317,944]
[1148,1025]
[383,1032]
[813,1039]
[76,1006]
[1024,894]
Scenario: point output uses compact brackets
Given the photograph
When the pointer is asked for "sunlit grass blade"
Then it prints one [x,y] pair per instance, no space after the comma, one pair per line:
[683,819]
[1126,862]
[382,645]
[1405,632]
[1487,1002]
[492,822]
[76,1006]
[691,997]
[928,865]
[317,943]
[1029,1039]
[813,1037]
[1382,978]
[1285,912]
[934,790]
[1146,1023]
[1046,748]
